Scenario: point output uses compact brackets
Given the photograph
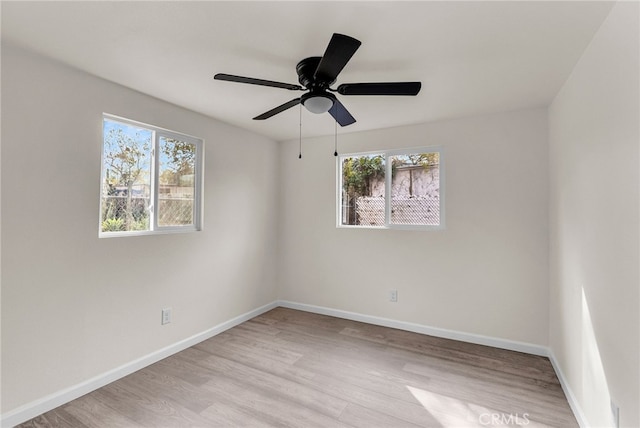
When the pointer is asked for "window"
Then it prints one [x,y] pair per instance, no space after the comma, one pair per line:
[391,189]
[151,179]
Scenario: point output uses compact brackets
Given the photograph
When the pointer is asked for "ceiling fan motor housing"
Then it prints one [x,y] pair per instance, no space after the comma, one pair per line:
[306,70]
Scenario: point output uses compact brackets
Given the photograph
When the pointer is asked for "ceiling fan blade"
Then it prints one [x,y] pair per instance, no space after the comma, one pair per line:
[340,114]
[278,109]
[339,51]
[261,82]
[390,88]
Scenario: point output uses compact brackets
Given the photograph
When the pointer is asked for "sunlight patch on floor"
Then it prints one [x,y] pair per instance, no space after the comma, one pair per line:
[453,413]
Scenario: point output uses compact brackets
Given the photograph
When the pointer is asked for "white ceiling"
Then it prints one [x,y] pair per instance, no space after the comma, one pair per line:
[472,57]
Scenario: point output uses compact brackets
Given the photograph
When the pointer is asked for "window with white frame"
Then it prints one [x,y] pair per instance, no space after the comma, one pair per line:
[151,179]
[391,189]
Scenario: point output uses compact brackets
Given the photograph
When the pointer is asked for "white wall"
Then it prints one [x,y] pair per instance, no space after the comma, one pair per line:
[0,247]
[594,215]
[75,306]
[486,273]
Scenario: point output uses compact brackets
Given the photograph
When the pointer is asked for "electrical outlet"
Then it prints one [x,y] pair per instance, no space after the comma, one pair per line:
[393,295]
[166,316]
[615,413]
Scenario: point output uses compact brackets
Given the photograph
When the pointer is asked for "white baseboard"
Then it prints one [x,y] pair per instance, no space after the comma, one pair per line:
[423,329]
[50,402]
[571,398]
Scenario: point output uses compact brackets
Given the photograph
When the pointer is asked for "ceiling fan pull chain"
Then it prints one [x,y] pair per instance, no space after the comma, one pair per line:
[300,140]
[335,153]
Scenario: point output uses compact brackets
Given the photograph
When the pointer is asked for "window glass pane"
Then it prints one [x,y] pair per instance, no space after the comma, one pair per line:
[415,189]
[363,187]
[126,186]
[176,182]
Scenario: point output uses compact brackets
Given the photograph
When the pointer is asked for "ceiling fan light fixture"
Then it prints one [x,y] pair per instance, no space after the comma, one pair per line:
[318,103]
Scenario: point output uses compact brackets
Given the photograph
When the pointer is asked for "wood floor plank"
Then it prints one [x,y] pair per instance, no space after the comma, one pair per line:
[56,418]
[270,405]
[95,414]
[288,368]
[145,407]
[477,355]
[173,389]
[227,414]
[291,389]
[263,348]
[363,417]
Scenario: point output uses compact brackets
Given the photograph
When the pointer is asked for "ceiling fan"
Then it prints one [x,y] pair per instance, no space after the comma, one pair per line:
[316,75]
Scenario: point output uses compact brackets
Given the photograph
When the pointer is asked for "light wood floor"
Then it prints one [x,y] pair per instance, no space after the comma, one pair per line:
[292,368]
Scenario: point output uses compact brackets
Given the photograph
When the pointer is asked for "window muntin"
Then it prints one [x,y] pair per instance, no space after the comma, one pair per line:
[151,179]
[412,178]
